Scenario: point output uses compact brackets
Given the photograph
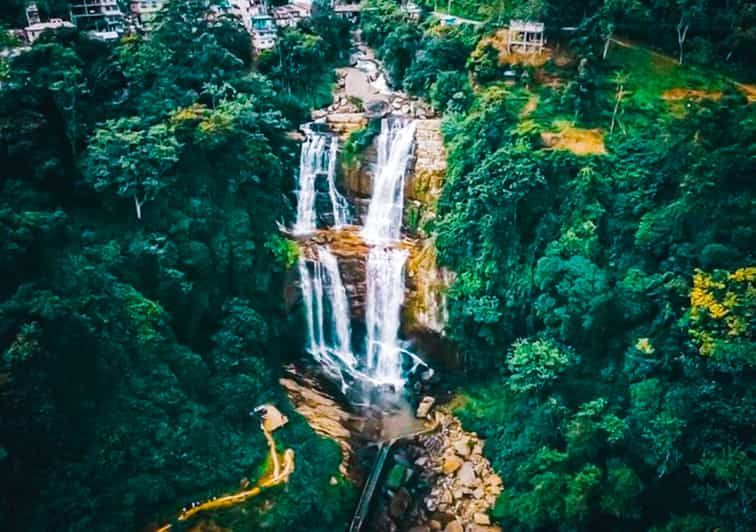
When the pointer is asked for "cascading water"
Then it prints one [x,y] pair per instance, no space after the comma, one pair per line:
[385,295]
[384,219]
[385,264]
[325,300]
[318,157]
[338,202]
[327,314]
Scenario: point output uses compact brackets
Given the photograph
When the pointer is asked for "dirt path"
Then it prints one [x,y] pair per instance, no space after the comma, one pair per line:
[276,477]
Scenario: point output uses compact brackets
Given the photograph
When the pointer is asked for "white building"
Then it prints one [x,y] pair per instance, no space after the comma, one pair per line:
[525,36]
[35,27]
[264,32]
[288,16]
[33,31]
[146,10]
[247,10]
[102,17]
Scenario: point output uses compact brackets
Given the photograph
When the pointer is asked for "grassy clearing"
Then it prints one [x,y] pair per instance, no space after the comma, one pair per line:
[651,74]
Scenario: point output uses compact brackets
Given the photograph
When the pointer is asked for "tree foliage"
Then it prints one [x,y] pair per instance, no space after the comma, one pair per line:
[132,351]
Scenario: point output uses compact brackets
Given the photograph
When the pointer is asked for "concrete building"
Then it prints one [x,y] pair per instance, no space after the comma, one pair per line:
[247,10]
[35,27]
[525,36]
[33,31]
[288,16]
[146,10]
[347,8]
[264,33]
[102,18]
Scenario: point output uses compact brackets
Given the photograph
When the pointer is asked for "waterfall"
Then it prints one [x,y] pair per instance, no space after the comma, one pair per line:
[385,295]
[385,265]
[338,202]
[395,143]
[327,314]
[326,305]
[317,157]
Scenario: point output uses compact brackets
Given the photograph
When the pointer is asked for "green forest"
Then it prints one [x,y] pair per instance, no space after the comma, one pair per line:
[598,213]
[612,294]
[142,183]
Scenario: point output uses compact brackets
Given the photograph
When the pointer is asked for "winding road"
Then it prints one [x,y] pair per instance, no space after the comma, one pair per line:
[279,475]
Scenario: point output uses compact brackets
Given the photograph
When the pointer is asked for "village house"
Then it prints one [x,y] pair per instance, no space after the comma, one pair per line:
[101,18]
[288,16]
[35,27]
[145,11]
[264,33]
[525,37]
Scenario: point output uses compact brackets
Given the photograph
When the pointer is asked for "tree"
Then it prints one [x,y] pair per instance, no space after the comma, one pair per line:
[451,91]
[610,11]
[132,159]
[619,80]
[535,364]
[688,10]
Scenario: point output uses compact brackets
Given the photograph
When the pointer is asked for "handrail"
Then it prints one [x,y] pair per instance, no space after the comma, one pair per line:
[363,505]
[372,482]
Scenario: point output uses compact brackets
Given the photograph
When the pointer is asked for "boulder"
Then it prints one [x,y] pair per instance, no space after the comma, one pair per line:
[466,474]
[462,447]
[399,503]
[454,526]
[452,463]
[424,408]
[395,477]
[481,518]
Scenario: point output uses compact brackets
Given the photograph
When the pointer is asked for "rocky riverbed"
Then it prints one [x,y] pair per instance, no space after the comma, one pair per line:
[440,481]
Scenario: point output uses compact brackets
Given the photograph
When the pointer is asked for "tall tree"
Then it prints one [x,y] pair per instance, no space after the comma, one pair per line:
[132,159]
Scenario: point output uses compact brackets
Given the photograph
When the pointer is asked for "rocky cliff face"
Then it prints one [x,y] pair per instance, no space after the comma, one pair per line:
[425,309]
[425,303]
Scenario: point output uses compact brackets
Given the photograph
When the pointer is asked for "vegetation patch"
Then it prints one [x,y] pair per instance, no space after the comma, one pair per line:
[574,139]
[690,94]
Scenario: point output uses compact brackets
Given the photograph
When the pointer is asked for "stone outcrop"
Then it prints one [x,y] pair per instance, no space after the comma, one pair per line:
[323,413]
[426,305]
[344,123]
[424,408]
[357,179]
[463,484]
[439,481]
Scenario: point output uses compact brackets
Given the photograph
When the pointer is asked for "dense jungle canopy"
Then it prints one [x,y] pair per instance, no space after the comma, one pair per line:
[598,213]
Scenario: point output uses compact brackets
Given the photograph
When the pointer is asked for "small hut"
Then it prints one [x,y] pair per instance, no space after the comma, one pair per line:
[525,37]
[271,417]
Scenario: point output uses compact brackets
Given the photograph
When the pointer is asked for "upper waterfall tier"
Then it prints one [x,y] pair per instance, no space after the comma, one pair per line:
[395,143]
[318,159]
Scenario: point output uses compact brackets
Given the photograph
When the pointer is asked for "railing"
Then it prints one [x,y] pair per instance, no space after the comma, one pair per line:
[363,506]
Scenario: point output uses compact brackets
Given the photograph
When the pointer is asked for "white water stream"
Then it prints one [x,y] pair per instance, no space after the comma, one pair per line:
[325,300]
[327,314]
[384,219]
[317,158]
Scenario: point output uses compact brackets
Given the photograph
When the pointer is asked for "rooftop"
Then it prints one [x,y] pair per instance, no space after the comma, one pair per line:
[526,25]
